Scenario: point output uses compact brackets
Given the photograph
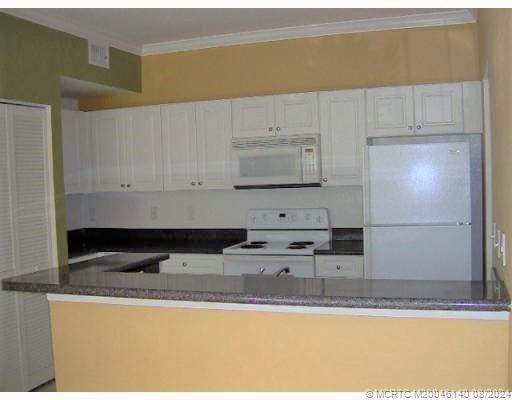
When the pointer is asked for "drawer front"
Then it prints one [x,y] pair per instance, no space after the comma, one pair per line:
[339,266]
[192,264]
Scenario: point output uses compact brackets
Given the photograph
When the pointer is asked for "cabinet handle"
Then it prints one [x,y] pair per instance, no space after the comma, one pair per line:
[193,183]
[324,180]
[184,264]
[128,185]
[200,183]
[418,126]
[338,267]
[122,185]
[278,128]
[410,127]
[270,129]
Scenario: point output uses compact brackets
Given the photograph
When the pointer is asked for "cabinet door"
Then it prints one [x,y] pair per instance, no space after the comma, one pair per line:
[473,107]
[296,114]
[107,134]
[438,108]
[10,346]
[253,116]
[179,146]
[36,341]
[85,152]
[342,136]
[76,149]
[339,266]
[32,235]
[192,264]
[70,129]
[390,111]
[143,144]
[214,144]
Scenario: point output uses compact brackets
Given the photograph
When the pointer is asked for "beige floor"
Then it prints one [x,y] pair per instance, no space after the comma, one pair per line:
[47,387]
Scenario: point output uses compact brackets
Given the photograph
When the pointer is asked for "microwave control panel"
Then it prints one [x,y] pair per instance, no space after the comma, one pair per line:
[309,164]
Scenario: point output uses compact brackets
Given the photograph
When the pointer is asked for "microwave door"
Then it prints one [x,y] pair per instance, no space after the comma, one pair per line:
[268,166]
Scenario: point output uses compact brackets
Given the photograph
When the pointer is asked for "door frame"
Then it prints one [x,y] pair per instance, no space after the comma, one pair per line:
[490,239]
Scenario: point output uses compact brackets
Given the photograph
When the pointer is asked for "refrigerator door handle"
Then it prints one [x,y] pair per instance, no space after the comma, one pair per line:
[458,223]
[366,184]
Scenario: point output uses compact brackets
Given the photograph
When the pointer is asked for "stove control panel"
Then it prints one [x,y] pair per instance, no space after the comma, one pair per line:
[290,218]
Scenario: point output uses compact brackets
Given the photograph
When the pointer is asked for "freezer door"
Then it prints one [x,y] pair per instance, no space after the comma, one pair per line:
[418,253]
[418,183]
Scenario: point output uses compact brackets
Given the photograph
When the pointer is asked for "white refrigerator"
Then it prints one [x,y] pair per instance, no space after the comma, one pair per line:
[418,211]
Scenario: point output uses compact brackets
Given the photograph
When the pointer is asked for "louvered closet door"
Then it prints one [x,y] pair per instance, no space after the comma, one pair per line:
[27,133]
[10,347]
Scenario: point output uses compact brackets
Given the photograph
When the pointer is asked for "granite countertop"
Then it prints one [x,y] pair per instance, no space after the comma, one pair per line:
[102,277]
[341,247]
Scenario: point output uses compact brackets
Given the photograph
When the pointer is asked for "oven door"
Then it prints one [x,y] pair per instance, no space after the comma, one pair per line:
[281,165]
[300,266]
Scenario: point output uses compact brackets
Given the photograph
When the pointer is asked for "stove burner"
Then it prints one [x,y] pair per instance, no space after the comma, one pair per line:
[251,246]
[258,242]
[301,244]
[296,247]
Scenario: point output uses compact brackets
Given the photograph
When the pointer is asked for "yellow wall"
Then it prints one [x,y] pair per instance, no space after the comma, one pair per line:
[495,32]
[100,347]
[396,57]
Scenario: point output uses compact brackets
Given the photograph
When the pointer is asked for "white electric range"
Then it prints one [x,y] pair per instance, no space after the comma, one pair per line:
[279,241]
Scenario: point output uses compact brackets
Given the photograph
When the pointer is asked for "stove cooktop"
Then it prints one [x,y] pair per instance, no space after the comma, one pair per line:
[273,248]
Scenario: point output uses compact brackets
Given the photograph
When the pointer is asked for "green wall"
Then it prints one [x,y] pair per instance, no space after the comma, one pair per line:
[32,60]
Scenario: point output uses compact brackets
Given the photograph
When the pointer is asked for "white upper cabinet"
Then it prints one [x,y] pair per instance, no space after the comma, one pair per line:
[296,114]
[197,145]
[342,134]
[143,149]
[214,136]
[127,149]
[179,140]
[187,146]
[76,148]
[438,108]
[107,135]
[472,103]
[286,114]
[390,111]
[253,116]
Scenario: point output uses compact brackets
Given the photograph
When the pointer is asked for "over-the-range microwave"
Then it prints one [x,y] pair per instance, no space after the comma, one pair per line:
[284,161]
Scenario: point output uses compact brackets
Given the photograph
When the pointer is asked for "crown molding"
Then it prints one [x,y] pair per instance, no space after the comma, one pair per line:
[334,28]
[73,27]
[267,35]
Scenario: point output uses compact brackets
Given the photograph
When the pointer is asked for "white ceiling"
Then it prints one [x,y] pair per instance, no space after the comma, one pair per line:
[135,28]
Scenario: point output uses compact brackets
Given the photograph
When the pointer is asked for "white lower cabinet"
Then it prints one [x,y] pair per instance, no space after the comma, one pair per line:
[339,266]
[192,264]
